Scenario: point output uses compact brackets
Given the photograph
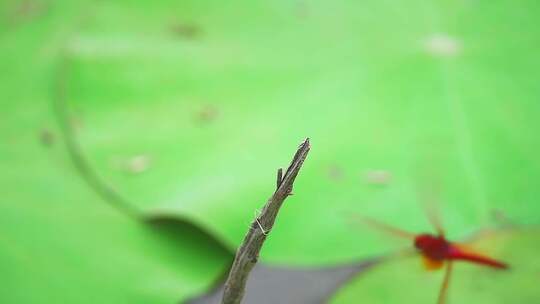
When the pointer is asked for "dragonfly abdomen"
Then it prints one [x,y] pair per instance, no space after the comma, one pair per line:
[459,254]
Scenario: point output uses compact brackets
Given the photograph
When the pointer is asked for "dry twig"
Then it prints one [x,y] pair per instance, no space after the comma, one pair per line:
[248,253]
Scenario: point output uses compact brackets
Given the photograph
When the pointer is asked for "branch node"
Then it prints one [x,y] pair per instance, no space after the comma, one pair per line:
[279,177]
[264,232]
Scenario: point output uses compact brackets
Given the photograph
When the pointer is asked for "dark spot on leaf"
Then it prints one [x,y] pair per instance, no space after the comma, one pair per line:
[335,173]
[186,30]
[46,137]
[76,124]
[207,114]
[26,10]
[301,9]
[500,217]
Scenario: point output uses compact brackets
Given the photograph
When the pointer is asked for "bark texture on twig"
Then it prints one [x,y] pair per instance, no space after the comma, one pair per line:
[248,253]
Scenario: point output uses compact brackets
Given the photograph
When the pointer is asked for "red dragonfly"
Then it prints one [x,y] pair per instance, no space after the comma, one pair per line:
[436,250]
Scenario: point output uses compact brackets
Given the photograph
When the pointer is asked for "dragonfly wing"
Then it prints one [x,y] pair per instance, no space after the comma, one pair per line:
[399,254]
[428,195]
[487,233]
[431,208]
[383,227]
[434,219]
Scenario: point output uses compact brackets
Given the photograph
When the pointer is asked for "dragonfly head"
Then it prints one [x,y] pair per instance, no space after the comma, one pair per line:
[431,245]
[423,241]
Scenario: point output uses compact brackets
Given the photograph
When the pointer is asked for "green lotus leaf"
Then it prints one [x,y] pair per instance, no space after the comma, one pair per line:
[187,110]
[59,241]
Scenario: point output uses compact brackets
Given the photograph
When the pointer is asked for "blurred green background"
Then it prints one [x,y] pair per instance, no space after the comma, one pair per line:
[139,137]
